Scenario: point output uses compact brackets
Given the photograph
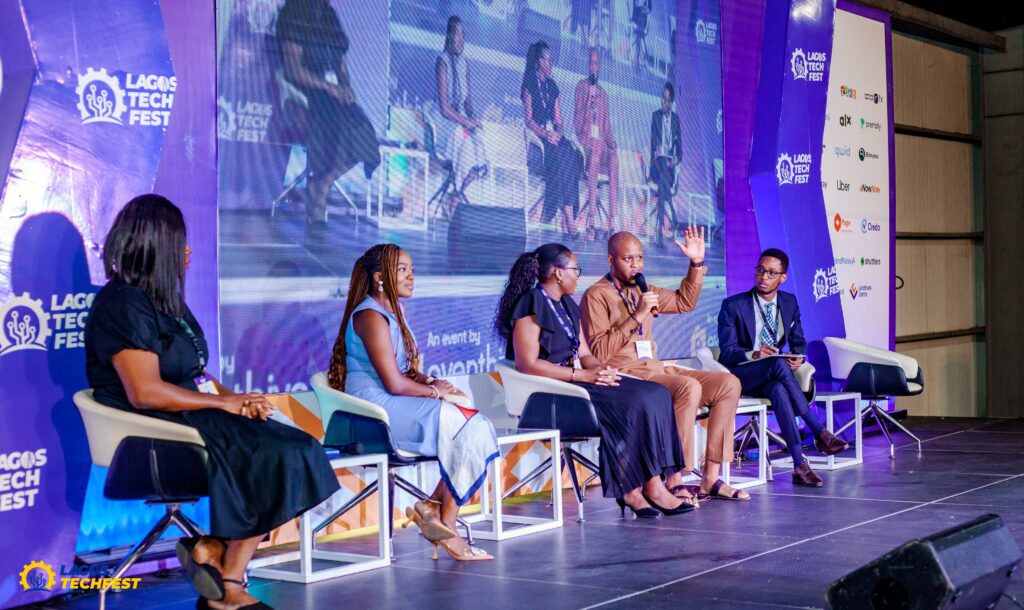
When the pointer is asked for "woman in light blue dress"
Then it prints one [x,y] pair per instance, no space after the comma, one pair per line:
[376,358]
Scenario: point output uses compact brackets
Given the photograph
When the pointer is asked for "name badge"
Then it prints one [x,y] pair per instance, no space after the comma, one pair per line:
[595,131]
[205,385]
[331,76]
[549,126]
[644,350]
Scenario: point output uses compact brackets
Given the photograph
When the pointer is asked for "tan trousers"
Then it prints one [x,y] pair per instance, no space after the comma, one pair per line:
[694,389]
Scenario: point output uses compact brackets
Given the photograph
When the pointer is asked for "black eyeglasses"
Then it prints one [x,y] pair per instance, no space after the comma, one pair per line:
[771,273]
[578,270]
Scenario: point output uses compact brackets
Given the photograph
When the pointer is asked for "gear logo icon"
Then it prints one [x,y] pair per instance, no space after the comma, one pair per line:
[798,64]
[784,169]
[24,324]
[37,576]
[820,285]
[100,97]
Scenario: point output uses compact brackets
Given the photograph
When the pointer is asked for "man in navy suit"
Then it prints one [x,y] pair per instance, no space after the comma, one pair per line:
[752,327]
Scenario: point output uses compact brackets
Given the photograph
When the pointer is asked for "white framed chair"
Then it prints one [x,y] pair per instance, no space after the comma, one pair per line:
[749,432]
[877,374]
[150,459]
[355,426]
[544,403]
[535,165]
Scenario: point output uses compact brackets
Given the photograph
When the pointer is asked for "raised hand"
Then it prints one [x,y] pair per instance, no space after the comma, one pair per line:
[693,245]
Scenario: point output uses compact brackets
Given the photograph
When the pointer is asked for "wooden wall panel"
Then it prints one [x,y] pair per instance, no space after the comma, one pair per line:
[951,378]
[934,186]
[931,85]
[938,286]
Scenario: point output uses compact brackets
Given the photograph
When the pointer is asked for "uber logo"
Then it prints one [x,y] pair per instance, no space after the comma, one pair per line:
[842,186]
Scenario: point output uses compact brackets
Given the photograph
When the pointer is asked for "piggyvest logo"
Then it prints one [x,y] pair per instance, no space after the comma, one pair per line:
[826,283]
[40,576]
[706,31]
[840,224]
[808,66]
[105,98]
[25,325]
[793,169]
[21,473]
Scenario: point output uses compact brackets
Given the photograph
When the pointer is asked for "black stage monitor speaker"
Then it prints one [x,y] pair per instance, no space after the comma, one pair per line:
[967,566]
[485,239]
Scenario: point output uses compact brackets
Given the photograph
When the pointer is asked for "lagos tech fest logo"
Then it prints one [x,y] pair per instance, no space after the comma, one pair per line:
[38,576]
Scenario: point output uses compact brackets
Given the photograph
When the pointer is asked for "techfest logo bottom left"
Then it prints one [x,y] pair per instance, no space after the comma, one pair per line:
[40,576]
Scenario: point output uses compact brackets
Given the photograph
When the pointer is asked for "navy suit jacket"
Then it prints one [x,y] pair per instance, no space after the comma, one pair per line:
[737,325]
[677,140]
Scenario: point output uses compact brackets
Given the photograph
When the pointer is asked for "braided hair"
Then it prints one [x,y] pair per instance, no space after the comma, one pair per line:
[530,268]
[381,258]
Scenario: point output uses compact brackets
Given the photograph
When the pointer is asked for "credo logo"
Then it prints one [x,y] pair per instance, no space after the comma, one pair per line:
[866,226]
[706,31]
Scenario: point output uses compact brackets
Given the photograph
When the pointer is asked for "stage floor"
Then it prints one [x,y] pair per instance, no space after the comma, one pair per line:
[782,549]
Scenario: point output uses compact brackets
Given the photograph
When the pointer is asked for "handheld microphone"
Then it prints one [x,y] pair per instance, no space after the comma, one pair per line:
[641,283]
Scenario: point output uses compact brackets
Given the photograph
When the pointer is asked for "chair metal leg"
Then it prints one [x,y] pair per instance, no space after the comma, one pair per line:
[570,463]
[864,411]
[356,499]
[392,480]
[536,472]
[880,412]
[885,432]
[291,186]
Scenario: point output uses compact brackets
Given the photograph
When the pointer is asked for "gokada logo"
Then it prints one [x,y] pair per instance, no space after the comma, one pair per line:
[104,98]
[826,283]
[874,97]
[25,325]
[808,66]
[845,260]
[39,576]
[841,224]
[844,121]
[864,154]
[706,31]
[849,92]
[793,170]
[869,125]
[842,151]
[870,262]
[869,188]
[21,473]
[842,186]
[866,226]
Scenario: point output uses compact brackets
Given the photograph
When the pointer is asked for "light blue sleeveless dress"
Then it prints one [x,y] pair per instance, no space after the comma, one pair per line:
[414,421]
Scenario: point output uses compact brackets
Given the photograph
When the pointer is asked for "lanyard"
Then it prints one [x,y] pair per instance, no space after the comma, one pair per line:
[764,316]
[545,100]
[636,303]
[200,351]
[567,327]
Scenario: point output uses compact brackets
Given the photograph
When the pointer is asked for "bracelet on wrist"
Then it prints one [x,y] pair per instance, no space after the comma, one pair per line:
[572,375]
[696,264]
[437,393]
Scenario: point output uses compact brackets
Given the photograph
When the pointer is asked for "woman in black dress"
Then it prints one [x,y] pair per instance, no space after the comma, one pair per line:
[340,135]
[540,324]
[145,352]
[562,165]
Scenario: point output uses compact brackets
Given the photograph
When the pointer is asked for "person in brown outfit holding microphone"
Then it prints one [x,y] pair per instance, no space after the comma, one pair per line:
[618,315]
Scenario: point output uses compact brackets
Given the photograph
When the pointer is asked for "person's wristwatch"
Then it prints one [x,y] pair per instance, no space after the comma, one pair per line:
[696,265]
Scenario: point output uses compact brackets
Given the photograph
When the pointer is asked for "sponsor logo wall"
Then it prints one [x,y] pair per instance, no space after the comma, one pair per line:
[860,213]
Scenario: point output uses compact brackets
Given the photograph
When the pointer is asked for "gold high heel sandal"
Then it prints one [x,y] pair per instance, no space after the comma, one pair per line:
[433,530]
[470,554]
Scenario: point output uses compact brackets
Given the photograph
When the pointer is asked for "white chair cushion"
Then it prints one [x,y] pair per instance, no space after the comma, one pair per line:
[844,354]
[332,400]
[519,387]
[916,388]
[709,362]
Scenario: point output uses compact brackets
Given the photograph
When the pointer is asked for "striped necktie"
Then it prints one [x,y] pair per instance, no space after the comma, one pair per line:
[769,331]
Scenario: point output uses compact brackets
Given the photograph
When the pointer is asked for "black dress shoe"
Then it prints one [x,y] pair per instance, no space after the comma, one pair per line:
[829,443]
[639,513]
[803,475]
[682,508]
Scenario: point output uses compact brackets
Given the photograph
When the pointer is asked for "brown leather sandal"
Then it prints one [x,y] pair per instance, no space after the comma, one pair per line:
[715,492]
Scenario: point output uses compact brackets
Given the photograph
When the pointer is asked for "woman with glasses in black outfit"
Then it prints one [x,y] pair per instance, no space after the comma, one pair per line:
[540,324]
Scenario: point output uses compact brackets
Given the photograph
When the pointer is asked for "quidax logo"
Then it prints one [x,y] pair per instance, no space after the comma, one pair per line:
[863,154]
[846,91]
[840,224]
[842,186]
[843,151]
[24,325]
[793,169]
[104,97]
[826,283]
[706,31]
[844,121]
[866,226]
[809,66]
[100,97]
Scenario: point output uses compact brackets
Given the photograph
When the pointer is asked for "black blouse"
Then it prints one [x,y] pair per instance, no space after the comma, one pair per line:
[542,99]
[555,345]
[314,26]
[123,317]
